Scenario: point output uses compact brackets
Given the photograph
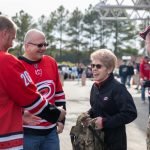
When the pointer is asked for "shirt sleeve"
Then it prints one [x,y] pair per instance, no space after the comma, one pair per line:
[141,71]
[18,84]
[126,110]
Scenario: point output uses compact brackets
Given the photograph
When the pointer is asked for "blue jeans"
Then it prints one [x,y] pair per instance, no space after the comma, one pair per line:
[129,80]
[48,142]
[143,93]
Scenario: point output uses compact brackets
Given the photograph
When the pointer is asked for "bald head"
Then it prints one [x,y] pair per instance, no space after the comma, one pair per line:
[32,35]
[34,45]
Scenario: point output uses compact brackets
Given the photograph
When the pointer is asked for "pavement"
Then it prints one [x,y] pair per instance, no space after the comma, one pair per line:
[77,101]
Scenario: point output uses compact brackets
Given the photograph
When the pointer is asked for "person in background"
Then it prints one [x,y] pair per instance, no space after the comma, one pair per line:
[80,71]
[123,72]
[144,75]
[18,92]
[137,72]
[130,73]
[44,73]
[112,105]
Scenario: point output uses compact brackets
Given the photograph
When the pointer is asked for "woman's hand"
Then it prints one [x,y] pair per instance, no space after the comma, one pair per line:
[99,123]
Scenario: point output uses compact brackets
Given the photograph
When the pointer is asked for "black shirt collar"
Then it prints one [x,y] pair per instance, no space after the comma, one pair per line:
[28,61]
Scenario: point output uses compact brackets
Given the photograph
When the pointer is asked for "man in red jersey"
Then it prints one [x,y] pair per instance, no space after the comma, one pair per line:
[44,73]
[17,91]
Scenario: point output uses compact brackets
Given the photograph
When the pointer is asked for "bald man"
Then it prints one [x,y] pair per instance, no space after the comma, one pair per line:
[43,70]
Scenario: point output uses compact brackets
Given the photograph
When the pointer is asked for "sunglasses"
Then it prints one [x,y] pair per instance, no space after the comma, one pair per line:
[40,45]
[98,66]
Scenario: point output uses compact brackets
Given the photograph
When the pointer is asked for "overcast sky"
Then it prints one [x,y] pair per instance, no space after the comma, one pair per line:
[36,8]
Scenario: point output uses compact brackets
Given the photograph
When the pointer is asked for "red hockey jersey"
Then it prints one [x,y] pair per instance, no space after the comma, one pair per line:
[44,74]
[144,69]
[16,90]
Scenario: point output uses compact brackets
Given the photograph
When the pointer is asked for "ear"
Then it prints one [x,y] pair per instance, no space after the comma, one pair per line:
[26,47]
[3,33]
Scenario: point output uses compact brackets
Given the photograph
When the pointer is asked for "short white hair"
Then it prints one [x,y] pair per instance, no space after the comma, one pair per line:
[107,57]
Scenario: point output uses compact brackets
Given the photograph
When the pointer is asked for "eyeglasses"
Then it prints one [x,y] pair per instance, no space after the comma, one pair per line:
[98,66]
[40,45]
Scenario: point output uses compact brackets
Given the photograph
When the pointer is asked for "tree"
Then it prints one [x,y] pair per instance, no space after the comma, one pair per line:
[89,28]
[61,15]
[125,38]
[47,25]
[24,22]
[75,27]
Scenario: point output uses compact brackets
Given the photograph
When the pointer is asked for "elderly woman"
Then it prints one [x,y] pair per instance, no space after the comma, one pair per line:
[111,103]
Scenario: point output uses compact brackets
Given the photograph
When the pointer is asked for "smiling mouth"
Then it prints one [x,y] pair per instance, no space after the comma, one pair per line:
[95,75]
[41,52]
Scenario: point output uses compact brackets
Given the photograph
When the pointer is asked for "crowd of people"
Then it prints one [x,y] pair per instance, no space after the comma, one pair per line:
[31,92]
[128,70]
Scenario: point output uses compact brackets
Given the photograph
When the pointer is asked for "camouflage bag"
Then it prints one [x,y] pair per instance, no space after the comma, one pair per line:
[86,137]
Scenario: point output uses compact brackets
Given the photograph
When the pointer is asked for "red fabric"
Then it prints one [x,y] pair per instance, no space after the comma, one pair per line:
[45,75]
[11,143]
[144,70]
[16,90]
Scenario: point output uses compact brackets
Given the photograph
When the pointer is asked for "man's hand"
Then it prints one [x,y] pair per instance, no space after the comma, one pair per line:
[62,113]
[60,127]
[29,119]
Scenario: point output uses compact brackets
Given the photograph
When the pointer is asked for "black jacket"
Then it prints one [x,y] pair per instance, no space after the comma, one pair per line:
[114,103]
[130,70]
[123,70]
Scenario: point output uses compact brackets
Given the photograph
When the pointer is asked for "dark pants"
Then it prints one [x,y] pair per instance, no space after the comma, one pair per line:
[123,79]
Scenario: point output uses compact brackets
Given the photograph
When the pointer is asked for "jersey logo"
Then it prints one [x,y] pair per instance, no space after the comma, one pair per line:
[26,77]
[105,99]
[47,89]
[38,72]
